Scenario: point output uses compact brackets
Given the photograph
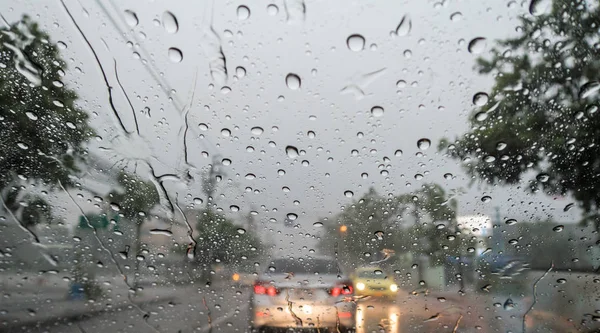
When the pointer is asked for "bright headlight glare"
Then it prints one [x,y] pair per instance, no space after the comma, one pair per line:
[360,286]
[394,287]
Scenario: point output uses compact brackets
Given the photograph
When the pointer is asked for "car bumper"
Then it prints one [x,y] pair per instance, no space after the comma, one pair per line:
[307,316]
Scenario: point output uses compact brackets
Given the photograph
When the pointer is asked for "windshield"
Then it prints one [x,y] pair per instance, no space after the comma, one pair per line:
[211,166]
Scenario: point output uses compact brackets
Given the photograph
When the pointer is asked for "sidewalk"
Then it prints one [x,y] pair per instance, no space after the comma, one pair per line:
[42,309]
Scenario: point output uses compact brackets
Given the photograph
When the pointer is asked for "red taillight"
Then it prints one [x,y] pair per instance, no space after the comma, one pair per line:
[342,289]
[261,289]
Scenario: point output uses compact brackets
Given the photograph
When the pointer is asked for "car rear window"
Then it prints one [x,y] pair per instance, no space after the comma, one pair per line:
[321,266]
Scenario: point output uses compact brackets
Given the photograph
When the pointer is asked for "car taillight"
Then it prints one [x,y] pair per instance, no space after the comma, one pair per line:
[342,289]
[261,289]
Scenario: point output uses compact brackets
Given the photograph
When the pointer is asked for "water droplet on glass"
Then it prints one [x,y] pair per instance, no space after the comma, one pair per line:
[281,172]
[489,159]
[169,22]
[240,72]
[477,45]
[418,176]
[486,199]
[561,281]
[226,161]
[377,111]
[481,116]
[175,55]
[398,153]
[234,208]
[311,134]
[163,232]
[115,207]
[558,228]
[356,42]
[203,127]
[500,146]
[589,89]
[404,26]
[293,81]
[256,130]
[349,194]
[448,176]
[198,201]
[250,176]
[543,177]
[364,175]
[511,222]
[272,9]
[226,132]
[131,18]
[424,143]
[509,305]
[480,99]
[291,216]
[241,231]
[568,207]
[592,109]
[243,13]
[379,234]
[401,84]
[455,17]
[539,7]
[317,224]
[291,151]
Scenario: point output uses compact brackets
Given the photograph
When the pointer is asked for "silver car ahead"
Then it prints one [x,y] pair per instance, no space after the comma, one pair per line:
[303,293]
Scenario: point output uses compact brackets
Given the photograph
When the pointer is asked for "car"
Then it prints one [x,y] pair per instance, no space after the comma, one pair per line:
[373,281]
[307,292]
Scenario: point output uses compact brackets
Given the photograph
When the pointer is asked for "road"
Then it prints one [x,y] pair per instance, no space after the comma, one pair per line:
[224,308]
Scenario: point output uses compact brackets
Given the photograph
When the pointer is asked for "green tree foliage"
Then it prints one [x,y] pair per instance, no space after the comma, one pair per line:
[416,223]
[542,120]
[220,239]
[43,131]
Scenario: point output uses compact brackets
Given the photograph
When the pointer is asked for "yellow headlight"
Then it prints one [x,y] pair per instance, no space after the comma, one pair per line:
[235,277]
[394,287]
[360,286]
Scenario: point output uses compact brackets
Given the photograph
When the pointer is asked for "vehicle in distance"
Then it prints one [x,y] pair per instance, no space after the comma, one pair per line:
[303,293]
[373,281]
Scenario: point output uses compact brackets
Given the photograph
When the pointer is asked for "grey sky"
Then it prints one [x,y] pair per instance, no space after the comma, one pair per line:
[433,60]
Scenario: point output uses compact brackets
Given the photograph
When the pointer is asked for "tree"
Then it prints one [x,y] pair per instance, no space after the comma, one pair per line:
[541,118]
[220,239]
[134,202]
[43,131]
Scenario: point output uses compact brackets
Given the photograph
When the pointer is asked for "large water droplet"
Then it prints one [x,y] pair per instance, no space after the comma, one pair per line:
[509,305]
[163,232]
[293,81]
[568,207]
[558,228]
[240,72]
[243,13]
[175,55]
[404,26]
[480,99]
[501,146]
[398,153]
[424,143]
[115,207]
[272,9]
[318,224]
[377,111]
[477,45]
[356,42]
[131,18]
[349,194]
[250,176]
[539,7]
[292,216]
[486,199]
[291,151]
[455,17]
[169,22]
[226,132]
[510,222]
[226,161]
[543,177]
[379,234]
[241,231]
[256,130]
[234,208]
[589,89]
[481,116]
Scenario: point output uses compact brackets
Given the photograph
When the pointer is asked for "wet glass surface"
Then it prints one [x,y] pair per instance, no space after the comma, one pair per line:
[300,165]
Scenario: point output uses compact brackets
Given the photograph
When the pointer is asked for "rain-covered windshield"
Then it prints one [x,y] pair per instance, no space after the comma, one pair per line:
[240,166]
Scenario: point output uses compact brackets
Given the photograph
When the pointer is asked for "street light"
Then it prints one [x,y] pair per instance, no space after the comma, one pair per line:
[343,228]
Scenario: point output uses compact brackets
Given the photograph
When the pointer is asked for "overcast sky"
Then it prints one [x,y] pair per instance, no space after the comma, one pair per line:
[262,45]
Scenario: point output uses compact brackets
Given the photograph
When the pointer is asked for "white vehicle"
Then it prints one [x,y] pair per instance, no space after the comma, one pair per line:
[303,293]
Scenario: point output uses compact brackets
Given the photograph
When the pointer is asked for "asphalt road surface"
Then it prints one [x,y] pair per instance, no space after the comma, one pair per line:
[224,308]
